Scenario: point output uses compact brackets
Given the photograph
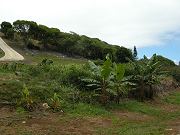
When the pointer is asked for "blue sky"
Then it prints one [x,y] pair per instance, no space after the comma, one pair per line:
[150,25]
[169,48]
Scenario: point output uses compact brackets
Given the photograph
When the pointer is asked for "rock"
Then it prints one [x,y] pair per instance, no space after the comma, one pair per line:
[45,105]
[24,122]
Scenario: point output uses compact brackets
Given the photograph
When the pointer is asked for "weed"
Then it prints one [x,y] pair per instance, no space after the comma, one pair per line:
[26,99]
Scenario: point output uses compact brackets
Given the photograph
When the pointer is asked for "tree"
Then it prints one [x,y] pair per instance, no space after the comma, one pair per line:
[135,53]
[165,61]
[123,54]
[5,26]
[27,29]
[21,26]
[68,43]
[10,33]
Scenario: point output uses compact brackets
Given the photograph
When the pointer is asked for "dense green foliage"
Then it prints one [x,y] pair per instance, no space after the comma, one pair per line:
[75,88]
[108,80]
[145,75]
[175,72]
[88,83]
[75,91]
[6,28]
[165,61]
[1,53]
[70,44]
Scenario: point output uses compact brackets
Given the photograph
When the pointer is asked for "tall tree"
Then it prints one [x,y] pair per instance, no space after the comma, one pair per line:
[123,54]
[5,26]
[135,53]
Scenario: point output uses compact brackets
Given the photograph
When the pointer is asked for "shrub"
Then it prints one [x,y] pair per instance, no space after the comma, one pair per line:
[31,45]
[176,73]
[70,74]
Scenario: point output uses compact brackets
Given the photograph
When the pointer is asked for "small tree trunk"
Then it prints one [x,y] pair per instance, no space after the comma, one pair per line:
[151,92]
[142,91]
[104,97]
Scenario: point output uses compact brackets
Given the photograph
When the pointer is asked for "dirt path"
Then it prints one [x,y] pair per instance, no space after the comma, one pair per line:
[10,54]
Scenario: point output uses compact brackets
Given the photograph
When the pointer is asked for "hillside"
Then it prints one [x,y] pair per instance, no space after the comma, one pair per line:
[40,37]
[79,112]
[61,92]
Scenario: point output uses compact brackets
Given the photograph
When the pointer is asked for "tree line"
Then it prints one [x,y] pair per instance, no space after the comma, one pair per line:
[71,44]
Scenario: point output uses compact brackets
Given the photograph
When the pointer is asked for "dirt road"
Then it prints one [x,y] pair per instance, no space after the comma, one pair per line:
[10,54]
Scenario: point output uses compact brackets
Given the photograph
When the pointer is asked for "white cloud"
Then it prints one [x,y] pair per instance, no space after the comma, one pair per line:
[176,62]
[123,22]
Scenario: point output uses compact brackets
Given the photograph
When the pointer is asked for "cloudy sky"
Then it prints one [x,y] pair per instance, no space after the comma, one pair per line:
[152,25]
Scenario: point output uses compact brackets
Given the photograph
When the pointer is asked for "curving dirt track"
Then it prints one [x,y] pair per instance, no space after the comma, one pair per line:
[10,54]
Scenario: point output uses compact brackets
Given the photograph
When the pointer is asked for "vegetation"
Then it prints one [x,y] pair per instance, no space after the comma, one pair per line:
[165,62]
[135,53]
[6,28]
[59,95]
[68,89]
[145,76]
[173,98]
[89,83]
[175,72]
[70,44]
[108,80]
[1,53]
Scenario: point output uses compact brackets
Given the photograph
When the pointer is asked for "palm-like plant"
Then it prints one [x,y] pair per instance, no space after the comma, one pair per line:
[120,84]
[101,79]
[107,79]
[146,75]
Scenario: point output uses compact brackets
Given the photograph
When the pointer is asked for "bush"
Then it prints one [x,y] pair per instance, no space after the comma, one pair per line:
[176,73]
[69,74]
[165,61]
[31,45]
[10,33]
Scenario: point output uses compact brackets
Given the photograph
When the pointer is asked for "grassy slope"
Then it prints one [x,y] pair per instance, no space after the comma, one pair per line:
[127,118]
[34,57]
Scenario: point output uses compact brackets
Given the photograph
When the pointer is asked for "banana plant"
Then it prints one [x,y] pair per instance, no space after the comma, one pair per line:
[120,84]
[101,79]
[108,79]
[147,74]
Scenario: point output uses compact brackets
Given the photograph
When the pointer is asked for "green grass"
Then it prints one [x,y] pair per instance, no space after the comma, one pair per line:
[57,59]
[43,83]
[135,106]
[1,53]
[83,109]
[133,128]
[173,98]
[123,126]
